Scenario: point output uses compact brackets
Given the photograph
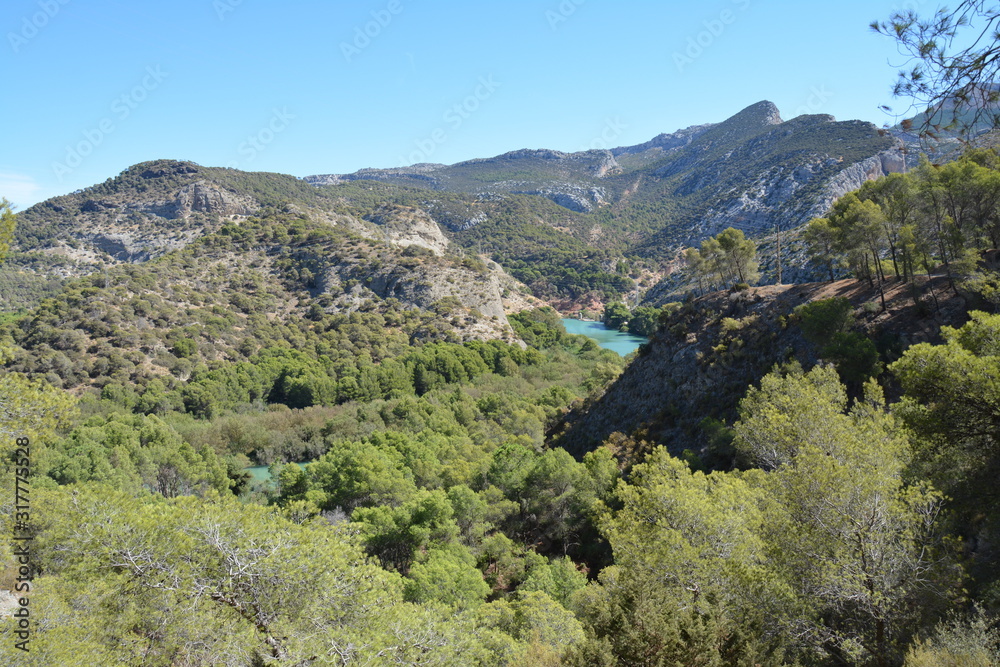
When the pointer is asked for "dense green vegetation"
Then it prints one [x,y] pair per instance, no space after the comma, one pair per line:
[424,498]
[418,513]
[935,218]
[8,222]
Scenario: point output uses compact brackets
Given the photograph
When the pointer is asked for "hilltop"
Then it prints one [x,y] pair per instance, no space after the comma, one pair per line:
[172,213]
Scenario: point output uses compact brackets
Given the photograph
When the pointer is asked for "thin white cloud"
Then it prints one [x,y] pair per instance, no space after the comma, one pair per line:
[21,190]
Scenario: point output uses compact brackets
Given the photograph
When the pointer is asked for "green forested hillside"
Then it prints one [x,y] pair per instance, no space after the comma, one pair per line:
[545,246]
[804,475]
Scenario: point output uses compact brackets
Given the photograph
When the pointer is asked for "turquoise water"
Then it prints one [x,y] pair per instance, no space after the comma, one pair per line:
[622,343]
[262,474]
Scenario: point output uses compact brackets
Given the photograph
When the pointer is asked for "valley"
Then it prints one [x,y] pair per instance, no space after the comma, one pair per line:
[358,419]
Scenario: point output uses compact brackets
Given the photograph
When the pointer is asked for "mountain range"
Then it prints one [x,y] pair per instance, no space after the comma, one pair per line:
[578,229]
[753,171]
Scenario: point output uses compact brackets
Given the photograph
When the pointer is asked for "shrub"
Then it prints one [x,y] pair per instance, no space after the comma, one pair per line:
[821,320]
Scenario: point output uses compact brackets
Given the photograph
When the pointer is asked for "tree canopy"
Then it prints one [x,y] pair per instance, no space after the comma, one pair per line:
[954,65]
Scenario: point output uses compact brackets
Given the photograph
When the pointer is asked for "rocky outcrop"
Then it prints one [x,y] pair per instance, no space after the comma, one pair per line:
[606,165]
[574,197]
[405,227]
[421,173]
[127,248]
[134,227]
[426,285]
[773,198]
[855,175]
[791,192]
[471,221]
[199,197]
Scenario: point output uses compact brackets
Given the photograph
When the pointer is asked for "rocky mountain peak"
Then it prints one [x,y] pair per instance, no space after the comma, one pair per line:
[766,113]
[754,119]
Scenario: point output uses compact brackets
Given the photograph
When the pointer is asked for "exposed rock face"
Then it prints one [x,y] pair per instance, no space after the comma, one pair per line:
[477,292]
[198,197]
[123,227]
[607,166]
[543,153]
[128,248]
[203,197]
[573,197]
[773,198]
[854,176]
[406,227]
[471,222]
[422,172]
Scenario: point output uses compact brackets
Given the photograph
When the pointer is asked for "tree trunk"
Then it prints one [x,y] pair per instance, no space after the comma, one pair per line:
[892,251]
[779,254]
[881,291]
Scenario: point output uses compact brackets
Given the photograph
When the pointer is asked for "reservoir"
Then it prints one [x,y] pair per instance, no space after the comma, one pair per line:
[622,343]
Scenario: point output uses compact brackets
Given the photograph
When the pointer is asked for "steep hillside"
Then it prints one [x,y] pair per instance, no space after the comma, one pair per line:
[278,279]
[690,377]
[577,228]
[572,180]
[155,208]
[760,174]
[549,248]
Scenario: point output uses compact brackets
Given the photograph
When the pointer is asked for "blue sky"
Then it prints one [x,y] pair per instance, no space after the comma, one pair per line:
[307,87]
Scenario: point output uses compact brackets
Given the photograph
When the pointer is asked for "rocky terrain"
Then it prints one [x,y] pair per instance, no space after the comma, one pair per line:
[752,171]
[154,209]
